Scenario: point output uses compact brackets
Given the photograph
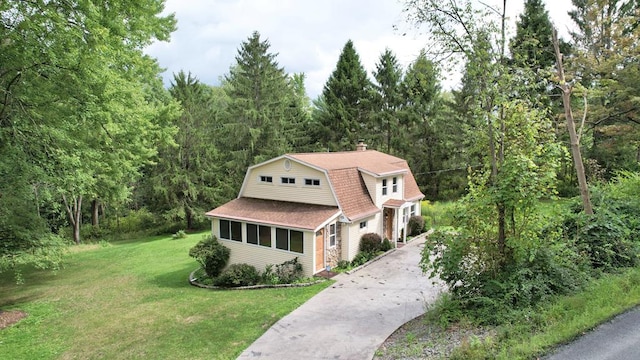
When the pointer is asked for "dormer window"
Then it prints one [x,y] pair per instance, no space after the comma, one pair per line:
[266,179]
[395,185]
[287,180]
[312,182]
[384,187]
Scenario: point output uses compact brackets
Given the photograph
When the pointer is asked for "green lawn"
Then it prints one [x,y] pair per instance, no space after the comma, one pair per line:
[132,300]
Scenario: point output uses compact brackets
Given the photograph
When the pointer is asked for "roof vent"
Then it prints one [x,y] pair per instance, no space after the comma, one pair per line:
[361,146]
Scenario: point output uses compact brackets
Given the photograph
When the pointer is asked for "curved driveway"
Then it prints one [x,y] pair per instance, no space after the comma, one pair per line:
[353,317]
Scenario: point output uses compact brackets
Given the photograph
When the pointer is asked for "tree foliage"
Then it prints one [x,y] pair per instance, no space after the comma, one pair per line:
[73,105]
[344,111]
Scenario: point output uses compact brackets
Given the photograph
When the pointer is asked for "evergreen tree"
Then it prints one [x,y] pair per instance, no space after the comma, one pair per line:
[388,75]
[347,102]
[532,46]
[183,183]
[258,120]
[432,138]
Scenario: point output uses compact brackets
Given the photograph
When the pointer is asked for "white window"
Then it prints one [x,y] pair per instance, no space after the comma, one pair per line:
[312,182]
[288,180]
[266,179]
[405,215]
[395,185]
[363,225]
[384,186]
[259,235]
[332,235]
[413,210]
[290,240]
[230,230]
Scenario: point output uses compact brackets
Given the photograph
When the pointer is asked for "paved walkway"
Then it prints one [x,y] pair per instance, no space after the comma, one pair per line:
[353,317]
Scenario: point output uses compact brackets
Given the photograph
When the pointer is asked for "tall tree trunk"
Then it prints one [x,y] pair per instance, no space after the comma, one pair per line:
[188,217]
[573,137]
[95,212]
[74,211]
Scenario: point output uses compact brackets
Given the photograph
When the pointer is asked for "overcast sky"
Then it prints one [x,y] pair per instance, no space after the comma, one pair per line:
[307,35]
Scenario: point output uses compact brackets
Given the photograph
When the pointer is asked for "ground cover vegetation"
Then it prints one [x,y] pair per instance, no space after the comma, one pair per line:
[131,299]
[92,146]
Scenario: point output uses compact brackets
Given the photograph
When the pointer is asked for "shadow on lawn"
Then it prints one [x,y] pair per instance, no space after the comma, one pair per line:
[175,279]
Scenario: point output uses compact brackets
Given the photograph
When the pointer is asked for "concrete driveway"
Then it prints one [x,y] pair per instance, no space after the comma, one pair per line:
[351,319]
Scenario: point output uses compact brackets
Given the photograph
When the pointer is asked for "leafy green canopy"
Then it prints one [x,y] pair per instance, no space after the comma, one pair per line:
[76,107]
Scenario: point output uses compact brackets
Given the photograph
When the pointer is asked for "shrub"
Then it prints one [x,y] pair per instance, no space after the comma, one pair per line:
[386,245]
[211,255]
[362,257]
[370,242]
[180,234]
[416,225]
[238,275]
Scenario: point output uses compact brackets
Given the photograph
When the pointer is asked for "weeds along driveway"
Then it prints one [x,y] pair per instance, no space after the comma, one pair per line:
[353,317]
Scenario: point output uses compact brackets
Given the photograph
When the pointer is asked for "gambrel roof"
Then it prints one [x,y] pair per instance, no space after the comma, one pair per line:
[344,172]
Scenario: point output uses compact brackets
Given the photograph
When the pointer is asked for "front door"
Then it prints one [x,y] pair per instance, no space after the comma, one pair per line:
[320,250]
[388,223]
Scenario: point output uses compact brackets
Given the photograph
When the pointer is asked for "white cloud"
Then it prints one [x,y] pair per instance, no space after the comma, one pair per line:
[308,35]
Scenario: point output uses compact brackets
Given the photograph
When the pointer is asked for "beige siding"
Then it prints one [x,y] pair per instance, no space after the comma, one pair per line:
[298,192]
[373,186]
[260,256]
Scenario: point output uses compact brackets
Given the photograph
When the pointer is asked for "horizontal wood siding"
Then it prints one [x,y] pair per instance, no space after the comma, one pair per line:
[298,192]
[260,256]
[373,187]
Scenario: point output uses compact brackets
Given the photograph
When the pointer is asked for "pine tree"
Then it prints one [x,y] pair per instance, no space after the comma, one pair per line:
[257,120]
[347,100]
[185,181]
[532,45]
[388,100]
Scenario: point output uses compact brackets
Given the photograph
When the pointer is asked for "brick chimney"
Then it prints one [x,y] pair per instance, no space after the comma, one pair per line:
[361,146]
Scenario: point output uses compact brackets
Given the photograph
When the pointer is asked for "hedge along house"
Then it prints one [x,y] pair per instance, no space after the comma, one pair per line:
[316,206]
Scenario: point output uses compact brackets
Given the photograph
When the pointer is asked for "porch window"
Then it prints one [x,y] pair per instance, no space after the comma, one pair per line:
[413,210]
[230,230]
[395,185]
[332,235]
[384,186]
[259,235]
[290,240]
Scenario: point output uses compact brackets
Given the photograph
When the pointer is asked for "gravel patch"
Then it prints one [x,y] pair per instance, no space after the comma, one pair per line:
[424,340]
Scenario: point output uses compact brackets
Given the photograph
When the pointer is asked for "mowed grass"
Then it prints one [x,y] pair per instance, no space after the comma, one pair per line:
[132,300]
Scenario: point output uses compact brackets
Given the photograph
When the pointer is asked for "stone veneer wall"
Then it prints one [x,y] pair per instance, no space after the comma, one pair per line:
[333,254]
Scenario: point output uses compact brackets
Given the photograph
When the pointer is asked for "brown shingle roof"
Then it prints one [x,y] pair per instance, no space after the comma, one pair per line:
[352,193]
[370,160]
[286,214]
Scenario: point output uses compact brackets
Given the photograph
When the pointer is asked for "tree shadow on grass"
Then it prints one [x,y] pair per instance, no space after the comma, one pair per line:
[175,279]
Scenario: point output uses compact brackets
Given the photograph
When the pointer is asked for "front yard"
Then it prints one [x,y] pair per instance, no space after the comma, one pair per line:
[131,299]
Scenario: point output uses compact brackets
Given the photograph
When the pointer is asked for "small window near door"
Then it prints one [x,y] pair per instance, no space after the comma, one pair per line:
[413,210]
[332,235]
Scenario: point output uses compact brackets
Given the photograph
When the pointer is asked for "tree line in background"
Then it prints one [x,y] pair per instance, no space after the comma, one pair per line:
[89,134]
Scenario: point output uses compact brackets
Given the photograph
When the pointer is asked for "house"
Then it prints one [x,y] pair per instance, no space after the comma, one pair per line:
[316,206]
